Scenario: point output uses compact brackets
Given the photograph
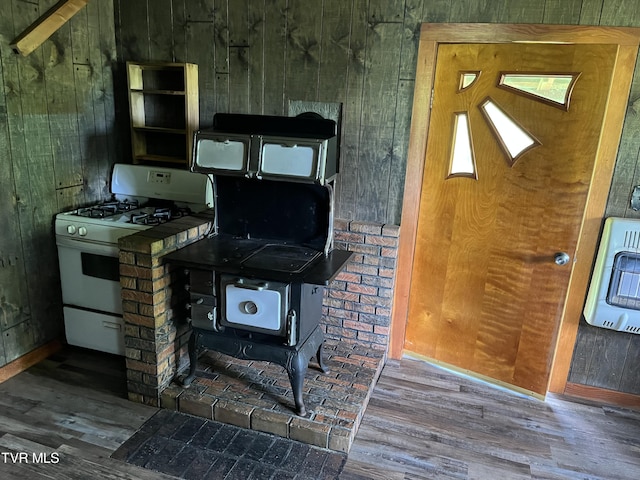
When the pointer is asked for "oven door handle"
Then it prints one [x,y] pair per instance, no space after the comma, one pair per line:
[250,286]
[88,246]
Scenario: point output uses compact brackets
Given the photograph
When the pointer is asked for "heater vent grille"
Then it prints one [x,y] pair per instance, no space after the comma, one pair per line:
[613,300]
[632,239]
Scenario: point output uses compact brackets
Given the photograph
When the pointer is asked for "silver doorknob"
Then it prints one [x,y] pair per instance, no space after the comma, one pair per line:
[561,258]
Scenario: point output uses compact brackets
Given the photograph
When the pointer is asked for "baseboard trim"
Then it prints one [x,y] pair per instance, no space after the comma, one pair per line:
[602,395]
[22,363]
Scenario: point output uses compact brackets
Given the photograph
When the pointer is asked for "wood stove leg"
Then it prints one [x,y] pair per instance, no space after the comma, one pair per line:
[320,358]
[297,370]
[193,360]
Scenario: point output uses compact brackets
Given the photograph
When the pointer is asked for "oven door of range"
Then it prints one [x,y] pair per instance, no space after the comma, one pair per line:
[91,294]
[255,305]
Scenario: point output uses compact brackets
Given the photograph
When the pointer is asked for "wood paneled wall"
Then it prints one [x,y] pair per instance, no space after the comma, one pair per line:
[56,147]
[60,105]
[255,56]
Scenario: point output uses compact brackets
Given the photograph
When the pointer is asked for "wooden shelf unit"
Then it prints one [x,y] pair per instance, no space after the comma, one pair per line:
[163,108]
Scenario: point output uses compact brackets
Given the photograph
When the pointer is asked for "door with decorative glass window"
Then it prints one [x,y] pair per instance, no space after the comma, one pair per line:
[513,135]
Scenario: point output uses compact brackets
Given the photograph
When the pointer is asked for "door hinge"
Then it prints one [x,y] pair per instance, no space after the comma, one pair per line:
[431,100]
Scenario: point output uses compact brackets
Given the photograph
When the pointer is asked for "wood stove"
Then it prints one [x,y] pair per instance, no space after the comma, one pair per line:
[256,285]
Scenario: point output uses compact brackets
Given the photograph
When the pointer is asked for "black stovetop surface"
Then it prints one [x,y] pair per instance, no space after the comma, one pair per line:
[262,259]
[281,258]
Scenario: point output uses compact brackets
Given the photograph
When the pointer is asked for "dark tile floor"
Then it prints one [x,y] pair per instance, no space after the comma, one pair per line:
[257,395]
[195,448]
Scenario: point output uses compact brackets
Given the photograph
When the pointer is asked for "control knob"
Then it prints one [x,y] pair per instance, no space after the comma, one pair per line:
[71,229]
[82,231]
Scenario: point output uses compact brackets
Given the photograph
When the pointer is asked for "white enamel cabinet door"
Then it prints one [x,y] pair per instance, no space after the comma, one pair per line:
[290,160]
[222,153]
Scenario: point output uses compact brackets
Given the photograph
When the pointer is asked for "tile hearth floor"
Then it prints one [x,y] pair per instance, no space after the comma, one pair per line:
[193,448]
[257,395]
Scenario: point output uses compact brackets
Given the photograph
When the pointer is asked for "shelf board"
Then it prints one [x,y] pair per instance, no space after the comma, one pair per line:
[158,158]
[145,128]
[161,66]
[158,92]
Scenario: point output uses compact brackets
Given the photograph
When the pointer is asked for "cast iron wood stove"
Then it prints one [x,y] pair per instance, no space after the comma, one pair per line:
[257,283]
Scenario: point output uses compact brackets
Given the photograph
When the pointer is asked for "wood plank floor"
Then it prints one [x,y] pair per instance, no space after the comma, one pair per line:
[422,423]
[72,408]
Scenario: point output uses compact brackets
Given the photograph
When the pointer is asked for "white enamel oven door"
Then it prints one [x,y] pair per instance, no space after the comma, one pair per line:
[91,294]
[255,305]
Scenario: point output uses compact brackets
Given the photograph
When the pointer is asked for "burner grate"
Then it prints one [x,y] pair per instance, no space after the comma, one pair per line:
[108,209]
[130,211]
[158,215]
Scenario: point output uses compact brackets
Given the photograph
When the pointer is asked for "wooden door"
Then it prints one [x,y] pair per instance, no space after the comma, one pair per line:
[486,293]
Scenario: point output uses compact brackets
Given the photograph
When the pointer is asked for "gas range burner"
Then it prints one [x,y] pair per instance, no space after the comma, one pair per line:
[108,209]
[158,215]
[145,219]
[122,206]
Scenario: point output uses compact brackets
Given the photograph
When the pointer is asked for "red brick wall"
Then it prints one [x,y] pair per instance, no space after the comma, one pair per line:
[155,343]
[357,305]
[358,302]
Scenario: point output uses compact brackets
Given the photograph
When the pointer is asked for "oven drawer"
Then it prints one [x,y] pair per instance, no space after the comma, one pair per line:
[97,331]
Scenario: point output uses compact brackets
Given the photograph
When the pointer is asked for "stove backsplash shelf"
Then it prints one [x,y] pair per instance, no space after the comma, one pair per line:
[278,212]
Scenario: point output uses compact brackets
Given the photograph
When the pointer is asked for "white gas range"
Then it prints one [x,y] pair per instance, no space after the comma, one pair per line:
[88,254]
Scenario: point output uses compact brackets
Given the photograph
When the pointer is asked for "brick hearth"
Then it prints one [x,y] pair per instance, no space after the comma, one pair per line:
[257,395]
[357,314]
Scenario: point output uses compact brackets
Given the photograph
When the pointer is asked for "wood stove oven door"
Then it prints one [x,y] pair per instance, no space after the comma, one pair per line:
[254,305]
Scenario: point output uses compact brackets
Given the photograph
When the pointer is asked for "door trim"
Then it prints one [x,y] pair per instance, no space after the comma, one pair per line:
[431,35]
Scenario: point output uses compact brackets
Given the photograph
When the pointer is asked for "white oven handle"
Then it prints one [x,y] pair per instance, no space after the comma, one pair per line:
[89,247]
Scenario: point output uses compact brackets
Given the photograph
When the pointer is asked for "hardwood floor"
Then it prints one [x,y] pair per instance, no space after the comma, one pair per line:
[72,408]
[422,423]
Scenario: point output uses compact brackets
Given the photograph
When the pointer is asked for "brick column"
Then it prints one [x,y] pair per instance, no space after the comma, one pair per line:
[357,307]
[155,335]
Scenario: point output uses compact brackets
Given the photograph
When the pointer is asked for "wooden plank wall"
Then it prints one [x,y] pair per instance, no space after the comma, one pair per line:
[56,129]
[255,56]
[603,358]
[60,105]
